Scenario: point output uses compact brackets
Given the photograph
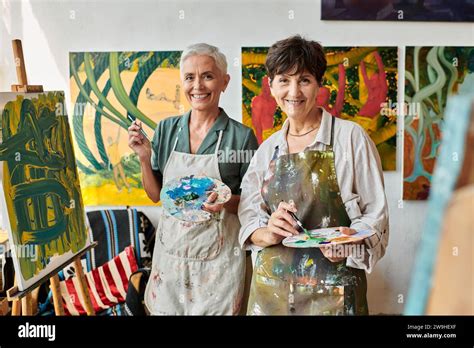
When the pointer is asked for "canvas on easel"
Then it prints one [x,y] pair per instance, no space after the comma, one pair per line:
[40,195]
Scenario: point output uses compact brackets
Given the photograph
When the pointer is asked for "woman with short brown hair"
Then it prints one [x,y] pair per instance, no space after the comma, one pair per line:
[327,172]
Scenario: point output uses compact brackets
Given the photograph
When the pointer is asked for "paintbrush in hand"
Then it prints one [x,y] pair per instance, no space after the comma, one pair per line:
[133,120]
[299,224]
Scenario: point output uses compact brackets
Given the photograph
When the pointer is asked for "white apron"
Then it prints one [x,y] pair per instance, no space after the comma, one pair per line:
[197,268]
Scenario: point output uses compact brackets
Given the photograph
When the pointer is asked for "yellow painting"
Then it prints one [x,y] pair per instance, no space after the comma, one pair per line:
[108,91]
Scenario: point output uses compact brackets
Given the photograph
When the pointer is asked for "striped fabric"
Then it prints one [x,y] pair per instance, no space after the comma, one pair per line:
[108,284]
[116,229]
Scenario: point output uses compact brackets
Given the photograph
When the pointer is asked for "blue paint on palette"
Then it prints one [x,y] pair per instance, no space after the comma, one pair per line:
[190,188]
[184,197]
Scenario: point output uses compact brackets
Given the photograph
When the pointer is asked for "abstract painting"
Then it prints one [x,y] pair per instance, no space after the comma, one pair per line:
[360,84]
[398,10]
[40,193]
[432,75]
[108,90]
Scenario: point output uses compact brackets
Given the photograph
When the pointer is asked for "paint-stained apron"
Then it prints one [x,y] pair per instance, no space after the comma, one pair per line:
[301,280]
[197,268]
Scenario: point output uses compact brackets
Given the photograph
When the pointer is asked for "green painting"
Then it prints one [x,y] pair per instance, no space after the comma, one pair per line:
[108,91]
[41,199]
[432,75]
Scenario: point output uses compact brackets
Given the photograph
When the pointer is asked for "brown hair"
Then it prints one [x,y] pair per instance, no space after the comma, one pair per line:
[295,55]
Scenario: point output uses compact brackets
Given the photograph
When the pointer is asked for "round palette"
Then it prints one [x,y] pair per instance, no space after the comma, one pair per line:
[183,197]
[325,237]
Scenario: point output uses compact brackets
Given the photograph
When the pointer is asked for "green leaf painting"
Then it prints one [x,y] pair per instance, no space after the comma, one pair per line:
[108,89]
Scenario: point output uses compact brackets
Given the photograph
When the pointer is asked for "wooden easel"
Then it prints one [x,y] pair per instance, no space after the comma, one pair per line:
[22,300]
[25,306]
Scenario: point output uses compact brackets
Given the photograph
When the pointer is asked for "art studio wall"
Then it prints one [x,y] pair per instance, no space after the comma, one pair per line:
[50,30]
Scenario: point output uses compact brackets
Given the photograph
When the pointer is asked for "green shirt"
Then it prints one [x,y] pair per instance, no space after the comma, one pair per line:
[237,147]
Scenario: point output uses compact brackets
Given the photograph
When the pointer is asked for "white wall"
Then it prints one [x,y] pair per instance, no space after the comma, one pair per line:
[50,29]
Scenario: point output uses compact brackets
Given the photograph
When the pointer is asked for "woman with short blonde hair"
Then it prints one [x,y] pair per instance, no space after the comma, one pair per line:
[197,268]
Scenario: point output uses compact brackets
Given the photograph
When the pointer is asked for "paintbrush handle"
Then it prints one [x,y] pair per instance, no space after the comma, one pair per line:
[298,222]
[141,129]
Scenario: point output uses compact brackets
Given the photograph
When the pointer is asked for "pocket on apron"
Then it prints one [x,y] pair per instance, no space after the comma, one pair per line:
[273,296]
[319,300]
[200,241]
[278,289]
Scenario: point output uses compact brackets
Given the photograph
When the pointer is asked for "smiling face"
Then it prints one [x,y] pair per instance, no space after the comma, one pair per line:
[295,94]
[203,82]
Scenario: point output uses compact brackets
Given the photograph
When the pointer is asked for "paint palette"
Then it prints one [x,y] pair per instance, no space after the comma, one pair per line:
[325,237]
[184,197]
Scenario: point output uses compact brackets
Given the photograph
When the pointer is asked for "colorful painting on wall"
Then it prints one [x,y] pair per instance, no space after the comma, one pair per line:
[398,10]
[108,90]
[40,194]
[432,75]
[360,84]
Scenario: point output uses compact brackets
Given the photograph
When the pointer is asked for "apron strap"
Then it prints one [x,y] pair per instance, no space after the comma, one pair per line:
[219,139]
[275,153]
[333,120]
[177,138]
[218,142]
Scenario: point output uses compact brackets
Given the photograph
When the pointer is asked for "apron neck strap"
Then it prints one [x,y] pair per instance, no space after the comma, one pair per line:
[177,138]
[275,153]
[219,141]
[333,120]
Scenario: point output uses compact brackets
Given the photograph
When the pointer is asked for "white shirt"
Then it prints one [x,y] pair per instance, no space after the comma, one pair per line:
[359,175]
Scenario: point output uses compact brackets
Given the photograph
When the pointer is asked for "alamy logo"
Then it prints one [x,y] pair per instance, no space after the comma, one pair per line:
[37,331]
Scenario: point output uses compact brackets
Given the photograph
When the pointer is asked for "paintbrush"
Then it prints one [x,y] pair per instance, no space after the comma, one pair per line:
[299,223]
[141,130]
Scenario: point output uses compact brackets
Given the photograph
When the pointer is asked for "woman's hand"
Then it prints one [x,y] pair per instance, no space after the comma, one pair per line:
[210,206]
[138,143]
[333,253]
[280,226]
